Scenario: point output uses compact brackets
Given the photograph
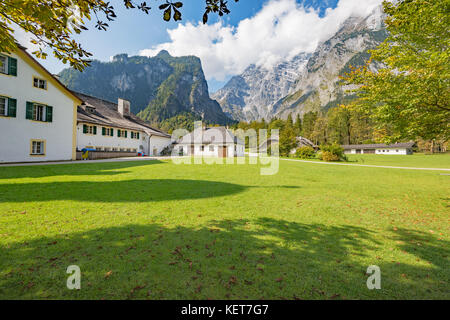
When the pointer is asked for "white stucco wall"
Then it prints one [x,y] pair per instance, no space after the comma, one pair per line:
[402,151]
[212,153]
[16,133]
[142,144]
[89,140]
[158,143]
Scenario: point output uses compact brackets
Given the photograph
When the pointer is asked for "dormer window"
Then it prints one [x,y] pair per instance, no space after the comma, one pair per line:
[90,109]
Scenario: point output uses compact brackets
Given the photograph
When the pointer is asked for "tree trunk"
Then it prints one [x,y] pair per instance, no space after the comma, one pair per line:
[432,146]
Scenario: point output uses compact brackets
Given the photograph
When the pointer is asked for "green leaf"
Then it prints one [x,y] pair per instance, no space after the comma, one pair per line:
[167,14]
[176,15]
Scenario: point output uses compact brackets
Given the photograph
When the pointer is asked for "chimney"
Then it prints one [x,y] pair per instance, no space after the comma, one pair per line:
[123,107]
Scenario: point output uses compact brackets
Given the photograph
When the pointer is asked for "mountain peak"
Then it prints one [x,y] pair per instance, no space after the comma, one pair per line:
[307,82]
[162,89]
[122,57]
[163,54]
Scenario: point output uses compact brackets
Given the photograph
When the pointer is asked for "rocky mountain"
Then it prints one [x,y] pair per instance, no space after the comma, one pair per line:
[307,82]
[159,88]
[252,94]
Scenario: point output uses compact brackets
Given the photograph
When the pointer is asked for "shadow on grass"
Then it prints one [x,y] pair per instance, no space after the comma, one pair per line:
[117,191]
[231,259]
[77,169]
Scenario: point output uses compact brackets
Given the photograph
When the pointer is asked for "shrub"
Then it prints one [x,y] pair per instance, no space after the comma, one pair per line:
[332,152]
[328,156]
[305,152]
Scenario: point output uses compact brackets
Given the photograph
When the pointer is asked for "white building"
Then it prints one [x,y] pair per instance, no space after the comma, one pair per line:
[212,142]
[37,112]
[107,126]
[397,148]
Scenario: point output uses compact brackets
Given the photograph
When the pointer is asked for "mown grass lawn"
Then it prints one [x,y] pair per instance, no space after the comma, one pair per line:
[420,160]
[156,230]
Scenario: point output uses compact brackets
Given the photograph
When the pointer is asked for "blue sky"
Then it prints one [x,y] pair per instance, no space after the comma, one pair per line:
[135,33]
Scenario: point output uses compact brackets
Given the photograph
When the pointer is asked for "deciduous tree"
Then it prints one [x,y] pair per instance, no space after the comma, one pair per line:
[408,95]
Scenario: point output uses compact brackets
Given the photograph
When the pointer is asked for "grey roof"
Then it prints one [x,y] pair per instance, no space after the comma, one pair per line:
[106,114]
[302,142]
[215,135]
[379,145]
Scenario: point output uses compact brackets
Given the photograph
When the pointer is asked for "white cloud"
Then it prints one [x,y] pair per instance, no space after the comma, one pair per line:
[280,30]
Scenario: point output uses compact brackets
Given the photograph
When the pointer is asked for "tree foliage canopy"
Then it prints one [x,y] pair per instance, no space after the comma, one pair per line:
[54,24]
[405,86]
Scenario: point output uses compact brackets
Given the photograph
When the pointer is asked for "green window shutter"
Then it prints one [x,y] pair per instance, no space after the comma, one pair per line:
[126,134]
[12,66]
[12,106]
[112,132]
[49,114]
[95,129]
[138,135]
[29,111]
[85,129]
[118,133]
[103,131]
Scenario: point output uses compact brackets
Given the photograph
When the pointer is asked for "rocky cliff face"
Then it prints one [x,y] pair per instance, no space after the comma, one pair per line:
[307,82]
[158,87]
[252,94]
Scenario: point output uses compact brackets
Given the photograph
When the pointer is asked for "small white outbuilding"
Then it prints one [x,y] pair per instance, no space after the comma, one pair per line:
[212,142]
[396,148]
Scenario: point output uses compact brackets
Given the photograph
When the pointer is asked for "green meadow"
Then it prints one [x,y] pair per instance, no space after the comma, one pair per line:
[157,230]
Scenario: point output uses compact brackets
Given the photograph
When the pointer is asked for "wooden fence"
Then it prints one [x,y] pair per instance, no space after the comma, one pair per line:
[96,155]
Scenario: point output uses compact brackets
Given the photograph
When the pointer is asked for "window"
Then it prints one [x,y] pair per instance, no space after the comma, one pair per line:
[8,65]
[3,106]
[3,64]
[8,107]
[202,148]
[107,131]
[211,148]
[396,150]
[90,109]
[37,147]
[134,135]
[39,112]
[122,133]
[87,129]
[40,83]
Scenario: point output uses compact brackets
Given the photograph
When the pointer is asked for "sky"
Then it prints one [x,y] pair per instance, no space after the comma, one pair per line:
[261,32]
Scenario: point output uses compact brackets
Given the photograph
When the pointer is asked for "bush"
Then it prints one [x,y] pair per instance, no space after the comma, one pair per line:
[332,152]
[328,156]
[305,152]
